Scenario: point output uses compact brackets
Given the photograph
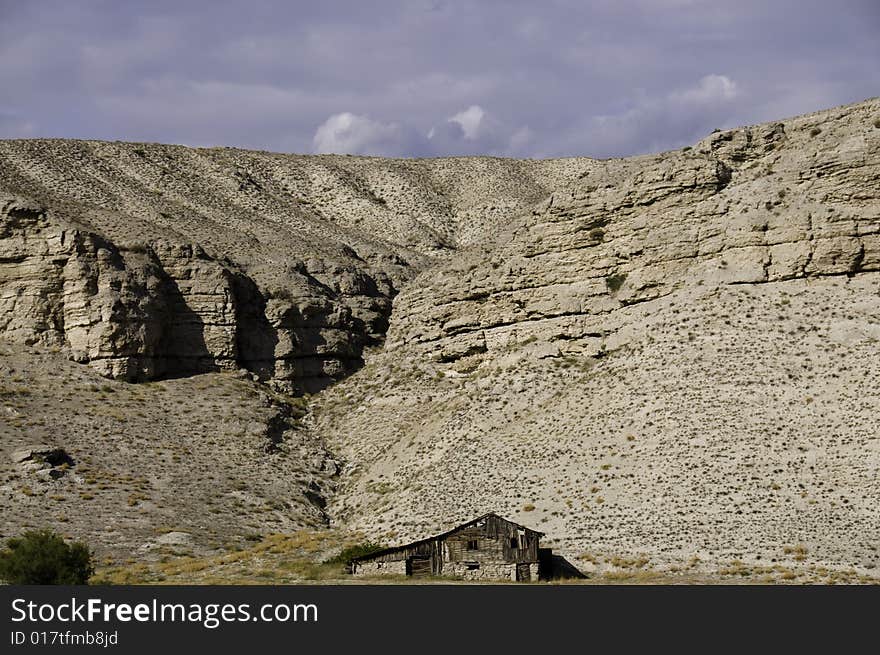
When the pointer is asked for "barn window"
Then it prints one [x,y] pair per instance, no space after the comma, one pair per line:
[473,544]
[514,542]
[473,566]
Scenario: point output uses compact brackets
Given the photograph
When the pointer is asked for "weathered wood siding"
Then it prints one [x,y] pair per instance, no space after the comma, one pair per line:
[495,539]
[503,550]
[432,549]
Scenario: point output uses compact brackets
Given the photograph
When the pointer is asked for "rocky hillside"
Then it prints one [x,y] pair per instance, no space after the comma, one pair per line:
[214,272]
[150,261]
[193,465]
[665,361]
[673,361]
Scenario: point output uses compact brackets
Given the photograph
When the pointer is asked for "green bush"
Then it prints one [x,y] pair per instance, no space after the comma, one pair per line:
[357,550]
[43,557]
[614,282]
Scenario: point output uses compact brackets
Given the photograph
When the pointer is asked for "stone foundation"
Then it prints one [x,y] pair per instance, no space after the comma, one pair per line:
[380,568]
[486,571]
[460,570]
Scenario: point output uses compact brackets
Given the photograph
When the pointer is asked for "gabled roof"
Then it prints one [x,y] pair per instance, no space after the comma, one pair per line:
[394,549]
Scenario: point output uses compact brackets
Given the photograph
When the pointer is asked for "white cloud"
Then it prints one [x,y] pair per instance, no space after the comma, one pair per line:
[472,131]
[476,131]
[651,122]
[348,133]
[710,89]
[165,73]
[470,120]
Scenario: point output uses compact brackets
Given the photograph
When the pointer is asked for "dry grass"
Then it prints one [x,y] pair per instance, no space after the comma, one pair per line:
[276,559]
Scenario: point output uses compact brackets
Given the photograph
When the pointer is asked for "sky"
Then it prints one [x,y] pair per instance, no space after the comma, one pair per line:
[419,78]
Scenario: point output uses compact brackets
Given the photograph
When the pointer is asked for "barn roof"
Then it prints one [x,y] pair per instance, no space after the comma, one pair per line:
[394,549]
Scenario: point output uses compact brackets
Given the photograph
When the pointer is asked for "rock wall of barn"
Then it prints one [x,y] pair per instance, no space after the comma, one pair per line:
[487,571]
[379,568]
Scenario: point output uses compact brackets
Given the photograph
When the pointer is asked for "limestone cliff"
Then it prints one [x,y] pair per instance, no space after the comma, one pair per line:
[151,261]
[783,201]
[161,308]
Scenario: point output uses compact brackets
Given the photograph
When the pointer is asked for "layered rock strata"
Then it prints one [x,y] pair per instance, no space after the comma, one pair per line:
[760,204]
[151,261]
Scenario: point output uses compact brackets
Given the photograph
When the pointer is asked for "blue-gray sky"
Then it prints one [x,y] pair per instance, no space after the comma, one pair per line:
[428,77]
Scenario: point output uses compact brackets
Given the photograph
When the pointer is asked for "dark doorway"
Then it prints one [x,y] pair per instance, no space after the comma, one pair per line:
[418,566]
[556,567]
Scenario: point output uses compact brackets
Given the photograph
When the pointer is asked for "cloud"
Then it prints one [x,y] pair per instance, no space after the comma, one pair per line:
[348,133]
[597,77]
[471,131]
[711,89]
[659,122]
[470,120]
[669,120]
[476,131]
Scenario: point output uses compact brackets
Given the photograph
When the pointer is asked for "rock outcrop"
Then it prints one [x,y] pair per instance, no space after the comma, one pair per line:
[746,206]
[151,261]
[163,309]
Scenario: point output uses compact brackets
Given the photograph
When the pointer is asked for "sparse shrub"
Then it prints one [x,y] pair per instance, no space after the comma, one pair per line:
[357,550]
[877,123]
[816,131]
[43,557]
[379,487]
[597,234]
[528,508]
[799,552]
[614,282]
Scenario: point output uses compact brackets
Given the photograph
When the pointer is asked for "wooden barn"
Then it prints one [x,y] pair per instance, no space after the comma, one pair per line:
[487,548]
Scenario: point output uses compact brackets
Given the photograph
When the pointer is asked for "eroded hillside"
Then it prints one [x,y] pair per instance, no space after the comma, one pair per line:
[216,272]
[665,362]
[147,260]
[140,471]
[673,361]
